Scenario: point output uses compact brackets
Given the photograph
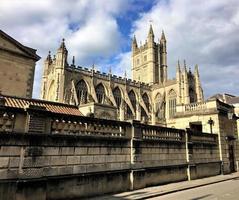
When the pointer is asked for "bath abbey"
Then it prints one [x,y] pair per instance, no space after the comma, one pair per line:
[149,96]
[94,133]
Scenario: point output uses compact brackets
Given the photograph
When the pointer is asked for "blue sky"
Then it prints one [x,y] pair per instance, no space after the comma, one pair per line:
[100,32]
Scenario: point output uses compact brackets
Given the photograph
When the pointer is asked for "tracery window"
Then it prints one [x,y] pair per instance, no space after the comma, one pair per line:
[117,96]
[160,106]
[146,100]
[100,93]
[172,103]
[192,95]
[132,98]
[82,92]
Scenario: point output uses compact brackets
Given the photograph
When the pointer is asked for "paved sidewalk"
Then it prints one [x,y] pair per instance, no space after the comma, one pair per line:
[155,191]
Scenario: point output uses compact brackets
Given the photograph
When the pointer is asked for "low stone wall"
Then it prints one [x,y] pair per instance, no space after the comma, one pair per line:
[202,170]
[80,156]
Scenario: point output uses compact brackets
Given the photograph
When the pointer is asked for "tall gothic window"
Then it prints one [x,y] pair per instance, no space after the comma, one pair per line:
[145,98]
[132,98]
[172,103]
[100,93]
[192,95]
[117,96]
[82,92]
[160,106]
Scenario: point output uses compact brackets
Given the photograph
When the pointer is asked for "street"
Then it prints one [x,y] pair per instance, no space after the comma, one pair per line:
[228,190]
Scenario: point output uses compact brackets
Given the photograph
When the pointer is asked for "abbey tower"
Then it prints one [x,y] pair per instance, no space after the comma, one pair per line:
[149,61]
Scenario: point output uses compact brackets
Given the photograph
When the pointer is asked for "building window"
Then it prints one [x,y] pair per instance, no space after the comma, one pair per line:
[145,58]
[129,113]
[138,61]
[82,92]
[192,95]
[172,103]
[160,106]
[132,98]
[100,93]
[117,96]
[146,100]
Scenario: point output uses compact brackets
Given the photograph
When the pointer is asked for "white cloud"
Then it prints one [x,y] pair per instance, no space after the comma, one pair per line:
[202,32]
[89,27]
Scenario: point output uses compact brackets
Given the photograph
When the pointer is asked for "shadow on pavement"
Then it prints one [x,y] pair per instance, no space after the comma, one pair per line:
[201,197]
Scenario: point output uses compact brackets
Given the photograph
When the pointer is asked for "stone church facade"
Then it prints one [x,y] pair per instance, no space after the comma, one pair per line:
[150,96]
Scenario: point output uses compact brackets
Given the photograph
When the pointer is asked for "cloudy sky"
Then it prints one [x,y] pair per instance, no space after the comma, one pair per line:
[99,32]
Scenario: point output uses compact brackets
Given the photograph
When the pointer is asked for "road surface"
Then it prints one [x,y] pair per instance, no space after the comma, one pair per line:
[227,190]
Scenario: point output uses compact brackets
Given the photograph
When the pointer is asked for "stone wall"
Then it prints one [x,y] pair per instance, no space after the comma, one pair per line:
[71,157]
[203,155]
[17,69]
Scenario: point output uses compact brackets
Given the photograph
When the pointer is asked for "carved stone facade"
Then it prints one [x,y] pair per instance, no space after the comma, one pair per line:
[150,97]
[17,67]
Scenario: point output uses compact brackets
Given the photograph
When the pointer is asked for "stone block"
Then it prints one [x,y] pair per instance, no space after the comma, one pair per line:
[115,166]
[78,169]
[99,159]
[39,161]
[50,151]
[10,151]
[8,174]
[80,150]
[50,171]
[58,160]
[120,158]
[96,168]
[73,160]
[94,150]
[111,158]
[66,150]
[104,150]
[4,162]
[65,170]
[86,159]
[14,162]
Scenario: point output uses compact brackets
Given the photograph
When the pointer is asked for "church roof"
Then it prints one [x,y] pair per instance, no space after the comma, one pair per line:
[54,107]
[227,98]
[30,52]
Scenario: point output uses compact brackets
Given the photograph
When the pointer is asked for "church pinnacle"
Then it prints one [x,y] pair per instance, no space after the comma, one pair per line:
[163,38]
[151,34]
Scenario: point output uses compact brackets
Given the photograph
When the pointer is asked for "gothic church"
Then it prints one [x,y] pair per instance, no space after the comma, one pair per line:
[149,96]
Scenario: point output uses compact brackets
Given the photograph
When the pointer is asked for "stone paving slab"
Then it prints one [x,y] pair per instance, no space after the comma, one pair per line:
[155,191]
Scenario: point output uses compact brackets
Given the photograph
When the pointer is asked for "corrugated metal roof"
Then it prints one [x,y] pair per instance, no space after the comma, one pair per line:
[16,102]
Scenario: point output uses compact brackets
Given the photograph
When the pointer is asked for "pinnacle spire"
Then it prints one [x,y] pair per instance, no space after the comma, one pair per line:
[63,46]
[73,60]
[151,32]
[134,41]
[48,58]
[163,36]
[178,66]
[184,66]
[196,71]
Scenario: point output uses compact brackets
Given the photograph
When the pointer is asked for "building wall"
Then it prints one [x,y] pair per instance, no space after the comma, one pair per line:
[17,70]
[73,156]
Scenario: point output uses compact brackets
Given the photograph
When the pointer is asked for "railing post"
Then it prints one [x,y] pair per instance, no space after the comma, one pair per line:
[187,154]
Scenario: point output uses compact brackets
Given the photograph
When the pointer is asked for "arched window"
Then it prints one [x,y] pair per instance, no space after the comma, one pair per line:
[172,103]
[117,96]
[192,95]
[160,106]
[129,113]
[100,93]
[132,98]
[146,100]
[81,89]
